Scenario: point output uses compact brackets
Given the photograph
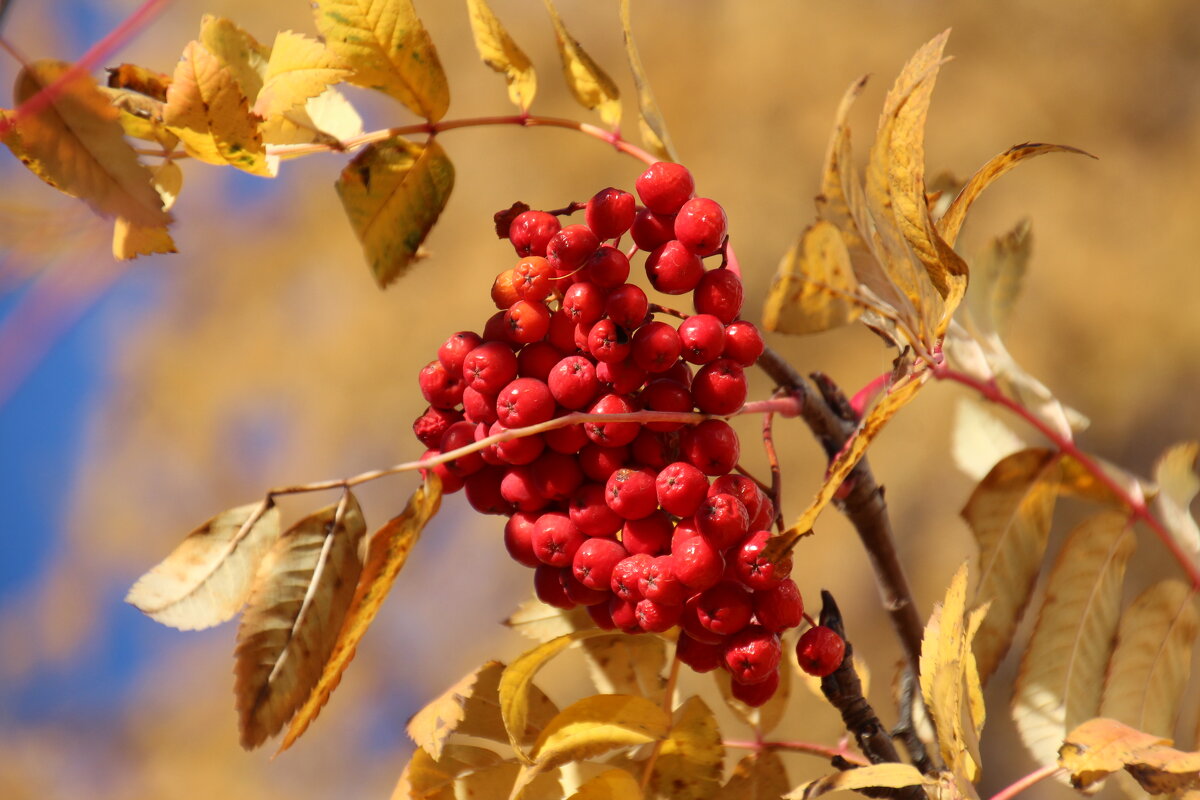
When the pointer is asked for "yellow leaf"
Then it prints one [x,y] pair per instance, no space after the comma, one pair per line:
[1062,670]
[814,288]
[476,772]
[329,117]
[210,114]
[628,665]
[589,84]
[876,776]
[131,240]
[996,278]
[300,69]
[692,757]
[650,120]
[1010,513]
[141,117]
[1152,659]
[758,776]
[387,49]
[141,80]
[841,200]
[387,552]
[980,439]
[596,725]
[393,192]
[1178,483]
[76,145]
[244,56]
[303,589]
[207,578]
[896,396]
[612,784]
[517,681]
[498,50]
[540,622]
[1100,747]
[951,222]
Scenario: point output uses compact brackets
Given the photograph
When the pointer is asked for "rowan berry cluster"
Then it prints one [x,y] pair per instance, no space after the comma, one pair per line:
[645,524]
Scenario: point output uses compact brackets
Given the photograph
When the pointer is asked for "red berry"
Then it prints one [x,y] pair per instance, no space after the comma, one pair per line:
[579,593]
[626,574]
[689,621]
[504,290]
[650,534]
[655,450]
[720,387]
[518,537]
[591,514]
[744,489]
[702,337]
[755,694]
[527,321]
[612,434]
[530,232]
[743,343]
[599,462]
[573,382]
[752,654]
[557,476]
[779,608]
[697,563]
[719,293]
[753,569]
[479,407]
[556,539]
[651,230]
[451,483]
[627,305]
[620,377]
[562,332]
[455,349]
[725,608]
[519,490]
[537,359]
[570,247]
[440,388]
[712,446]
[624,614]
[594,561]
[700,225]
[461,434]
[665,395]
[548,586]
[610,212]
[681,373]
[656,347]
[567,439]
[607,341]
[490,367]
[700,656]
[665,187]
[820,651]
[601,614]
[608,267]
[681,488]
[655,617]
[722,519]
[531,277]
[584,302]
[430,426]
[673,269]
[483,491]
[630,493]
[525,401]
[661,584]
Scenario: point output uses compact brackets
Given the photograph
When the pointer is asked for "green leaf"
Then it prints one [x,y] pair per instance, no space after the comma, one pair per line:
[498,50]
[393,192]
[589,84]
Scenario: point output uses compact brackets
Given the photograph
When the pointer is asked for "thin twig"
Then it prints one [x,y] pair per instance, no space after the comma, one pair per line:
[768,434]
[1038,775]
[800,747]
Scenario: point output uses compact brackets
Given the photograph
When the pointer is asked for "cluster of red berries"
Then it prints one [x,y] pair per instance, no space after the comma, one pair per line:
[644,524]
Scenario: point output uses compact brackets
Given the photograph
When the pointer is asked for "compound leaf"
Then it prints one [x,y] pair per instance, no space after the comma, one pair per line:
[650,120]
[498,50]
[589,84]
[814,288]
[393,192]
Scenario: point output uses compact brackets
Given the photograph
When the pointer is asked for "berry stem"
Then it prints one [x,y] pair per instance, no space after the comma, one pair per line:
[1139,510]
[800,747]
[1020,785]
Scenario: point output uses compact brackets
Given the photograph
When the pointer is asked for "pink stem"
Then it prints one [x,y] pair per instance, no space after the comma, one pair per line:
[799,747]
[1021,785]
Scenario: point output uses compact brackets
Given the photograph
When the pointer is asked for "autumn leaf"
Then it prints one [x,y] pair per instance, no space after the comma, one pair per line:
[387,553]
[1152,659]
[627,665]
[300,68]
[758,776]
[589,84]
[77,146]
[141,117]
[541,623]
[142,80]
[207,109]
[207,578]
[650,120]
[692,758]
[244,56]
[612,784]
[1100,747]
[328,118]
[596,725]
[1178,483]
[1062,670]
[131,240]
[875,776]
[393,192]
[386,48]
[477,772]
[498,50]
[302,592]
[981,440]
[814,287]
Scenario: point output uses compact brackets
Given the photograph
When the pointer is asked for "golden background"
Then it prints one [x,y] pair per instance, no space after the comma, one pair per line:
[269,357]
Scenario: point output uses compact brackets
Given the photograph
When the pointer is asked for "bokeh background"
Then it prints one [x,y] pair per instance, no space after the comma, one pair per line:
[137,400]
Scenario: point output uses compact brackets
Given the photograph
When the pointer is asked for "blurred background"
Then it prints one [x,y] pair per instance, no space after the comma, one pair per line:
[137,400]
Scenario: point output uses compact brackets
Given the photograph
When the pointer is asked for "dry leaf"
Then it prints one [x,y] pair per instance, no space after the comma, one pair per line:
[1100,747]
[758,776]
[144,81]
[628,665]
[303,589]
[76,145]
[387,49]
[300,69]
[612,784]
[650,121]
[387,552]
[1062,670]
[207,578]
[876,776]
[814,288]
[1010,513]
[1178,483]
[980,439]
[498,50]
[393,192]
[589,84]
[692,758]
[1152,659]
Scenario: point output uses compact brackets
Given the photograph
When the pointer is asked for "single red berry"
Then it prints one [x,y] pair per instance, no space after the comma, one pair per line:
[557,476]
[461,434]
[562,332]
[719,293]
[556,539]
[656,346]
[685,529]
[752,654]
[725,608]
[525,401]
[681,373]
[548,586]
[652,230]
[489,368]
[673,269]
[752,568]
[599,462]
[504,290]
[612,434]
[519,490]
[681,488]
[483,491]
[626,574]
[584,302]
[573,382]
[722,519]
[700,656]
[655,450]
[650,534]
[820,651]
[531,277]
[744,489]
[630,493]
[579,593]
[608,267]
[720,387]
[655,617]
[530,232]
[779,608]
[607,341]
[430,426]
[610,212]
[755,694]
[439,387]
[527,321]
[697,563]
[620,377]
[623,613]
[591,514]
[743,343]
[702,337]
[766,513]
[661,584]
[496,329]
[455,349]
[594,561]
[601,614]
[488,453]
[664,187]
[665,395]
[569,439]
[712,446]
[689,621]
[570,247]
[536,360]
[479,407]
[701,225]
[518,538]
[627,305]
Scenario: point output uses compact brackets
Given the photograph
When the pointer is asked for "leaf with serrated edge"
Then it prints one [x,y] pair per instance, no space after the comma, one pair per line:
[393,192]
[77,146]
[300,69]
[540,622]
[131,240]
[1100,747]
[1062,670]
[498,50]
[882,776]
[814,288]
[1009,514]
[896,396]
[599,724]
[244,56]
[589,84]
[303,589]
[387,49]
[612,784]
[951,222]
[328,118]
[478,773]
[207,578]
[980,439]
[650,119]
[517,680]
[210,114]
[1178,482]
[387,552]
[691,760]
[628,665]
[1152,659]
[758,776]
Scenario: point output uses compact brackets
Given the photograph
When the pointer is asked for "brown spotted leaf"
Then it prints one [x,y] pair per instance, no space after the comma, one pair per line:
[814,288]
[303,589]
[1100,747]
[589,84]
[650,120]
[498,50]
